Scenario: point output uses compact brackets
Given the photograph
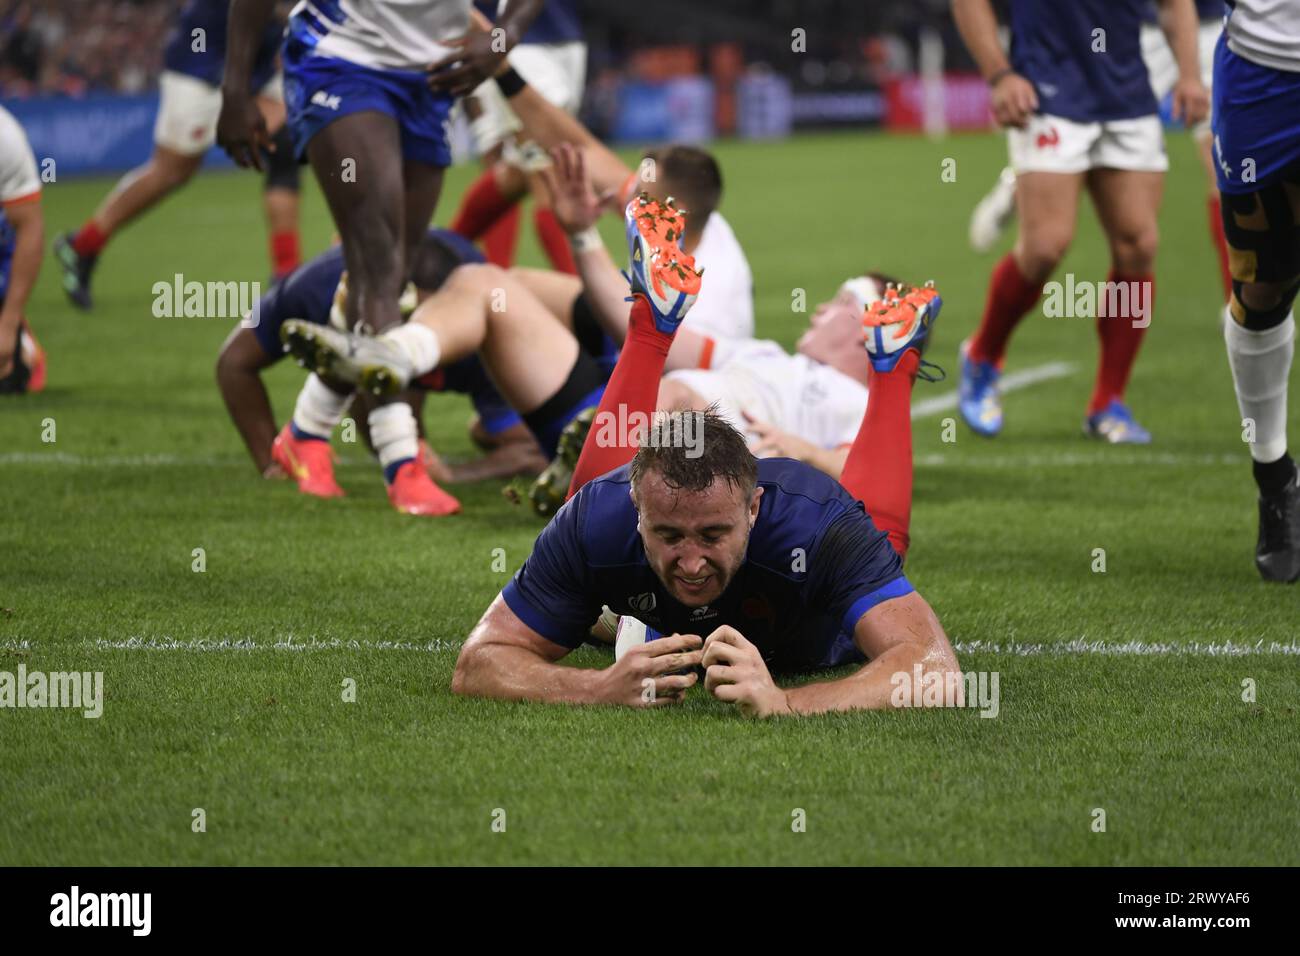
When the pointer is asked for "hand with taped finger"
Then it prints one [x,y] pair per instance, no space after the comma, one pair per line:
[648,674]
[736,673]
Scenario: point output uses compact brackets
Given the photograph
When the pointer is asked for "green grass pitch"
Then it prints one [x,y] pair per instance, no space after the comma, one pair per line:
[223,688]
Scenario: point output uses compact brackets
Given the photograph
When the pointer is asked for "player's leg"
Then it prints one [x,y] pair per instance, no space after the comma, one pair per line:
[878,469]
[1263,233]
[1127,203]
[1048,207]
[1214,209]
[281,186]
[184,130]
[489,209]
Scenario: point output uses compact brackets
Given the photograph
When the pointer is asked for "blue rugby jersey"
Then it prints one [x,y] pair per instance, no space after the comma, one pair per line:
[815,564]
[207,64]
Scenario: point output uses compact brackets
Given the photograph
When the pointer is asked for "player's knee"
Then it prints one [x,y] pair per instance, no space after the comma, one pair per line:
[1262,305]
[1135,252]
[673,394]
[482,277]
[1040,255]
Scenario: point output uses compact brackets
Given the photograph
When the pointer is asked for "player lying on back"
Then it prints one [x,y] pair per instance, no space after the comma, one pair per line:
[776,561]
[22,238]
[301,449]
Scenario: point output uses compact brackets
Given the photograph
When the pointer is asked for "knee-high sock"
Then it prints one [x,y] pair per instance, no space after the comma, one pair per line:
[501,238]
[878,471]
[318,411]
[1220,245]
[1010,297]
[1121,335]
[395,435]
[483,204]
[554,242]
[632,392]
[1261,364]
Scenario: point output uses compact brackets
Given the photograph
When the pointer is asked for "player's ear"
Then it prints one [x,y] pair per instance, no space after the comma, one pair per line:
[753,506]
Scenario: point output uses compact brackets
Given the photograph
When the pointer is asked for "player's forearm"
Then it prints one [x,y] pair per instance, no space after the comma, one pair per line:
[830,460]
[549,126]
[244,25]
[29,250]
[507,672]
[1179,24]
[978,26]
[874,686]
[249,406]
[516,19]
[604,287]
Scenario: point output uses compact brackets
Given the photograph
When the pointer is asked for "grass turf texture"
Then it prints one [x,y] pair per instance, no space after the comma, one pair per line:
[101,526]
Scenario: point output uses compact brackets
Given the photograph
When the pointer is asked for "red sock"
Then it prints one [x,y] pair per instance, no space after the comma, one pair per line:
[285,254]
[1220,245]
[89,240]
[878,471]
[1120,340]
[499,241]
[554,241]
[483,205]
[1010,296]
[633,390]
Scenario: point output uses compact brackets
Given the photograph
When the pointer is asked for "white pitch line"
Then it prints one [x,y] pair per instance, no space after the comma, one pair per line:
[1077,647]
[1010,383]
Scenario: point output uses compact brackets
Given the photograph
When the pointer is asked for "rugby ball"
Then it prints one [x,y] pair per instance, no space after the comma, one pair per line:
[630,633]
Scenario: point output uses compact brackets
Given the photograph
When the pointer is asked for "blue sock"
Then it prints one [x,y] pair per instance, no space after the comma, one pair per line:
[390,472]
[301,435]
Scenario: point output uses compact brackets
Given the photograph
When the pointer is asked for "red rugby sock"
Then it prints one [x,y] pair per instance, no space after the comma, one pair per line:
[632,392]
[1010,297]
[285,253]
[501,238]
[554,241]
[1220,245]
[878,471]
[90,239]
[1120,339]
[482,206]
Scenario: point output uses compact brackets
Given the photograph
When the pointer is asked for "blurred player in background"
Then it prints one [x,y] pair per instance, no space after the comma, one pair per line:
[996,210]
[368,90]
[777,562]
[189,104]
[315,293]
[22,246]
[553,58]
[1080,111]
[1257,153]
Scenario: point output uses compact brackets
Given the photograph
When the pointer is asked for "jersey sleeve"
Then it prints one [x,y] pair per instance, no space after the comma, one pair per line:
[19,180]
[854,568]
[552,592]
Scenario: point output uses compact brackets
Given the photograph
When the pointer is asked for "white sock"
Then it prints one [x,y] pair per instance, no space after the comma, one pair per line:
[319,408]
[393,433]
[1261,364]
[420,345]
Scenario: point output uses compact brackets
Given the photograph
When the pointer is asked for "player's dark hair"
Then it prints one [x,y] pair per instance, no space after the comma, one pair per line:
[692,177]
[689,449]
[432,262]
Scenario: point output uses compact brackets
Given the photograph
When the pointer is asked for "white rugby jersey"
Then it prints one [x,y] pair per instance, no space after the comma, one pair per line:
[1266,32]
[382,34]
[725,308]
[18,177]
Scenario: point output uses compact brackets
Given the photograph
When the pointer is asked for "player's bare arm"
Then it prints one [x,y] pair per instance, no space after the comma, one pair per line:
[505,658]
[1178,21]
[478,55]
[241,129]
[29,244]
[1012,96]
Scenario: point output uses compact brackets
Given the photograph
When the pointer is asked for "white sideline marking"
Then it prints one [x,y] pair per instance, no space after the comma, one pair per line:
[1077,647]
[135,461]
[1010,383]
[1100,458]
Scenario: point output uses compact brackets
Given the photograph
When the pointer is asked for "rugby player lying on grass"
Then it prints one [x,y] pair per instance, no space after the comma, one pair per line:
[301,449]
[774,562]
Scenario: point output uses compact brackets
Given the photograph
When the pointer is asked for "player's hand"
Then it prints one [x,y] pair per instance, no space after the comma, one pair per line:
[736,673]
[645,676]
[477,56]
[1191,101]
[574,202]
[241,130]
[1014,100]
[770,442]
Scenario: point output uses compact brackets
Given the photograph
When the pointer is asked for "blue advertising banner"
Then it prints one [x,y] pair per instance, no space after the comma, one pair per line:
[94,134]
